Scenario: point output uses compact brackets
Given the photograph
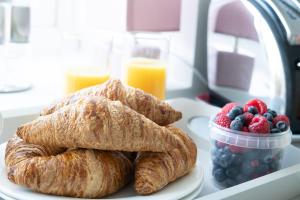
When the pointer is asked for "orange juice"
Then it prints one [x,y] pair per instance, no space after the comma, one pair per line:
[148,75]
[81,77]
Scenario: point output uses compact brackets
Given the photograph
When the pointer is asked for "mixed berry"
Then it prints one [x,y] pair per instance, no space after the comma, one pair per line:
[253,117]
[233,164]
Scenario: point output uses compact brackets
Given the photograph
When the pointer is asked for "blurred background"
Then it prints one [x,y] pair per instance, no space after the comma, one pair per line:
[63,36]
[212,50]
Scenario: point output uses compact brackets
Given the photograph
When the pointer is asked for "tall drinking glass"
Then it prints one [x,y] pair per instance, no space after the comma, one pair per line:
[146,62]
[92,62]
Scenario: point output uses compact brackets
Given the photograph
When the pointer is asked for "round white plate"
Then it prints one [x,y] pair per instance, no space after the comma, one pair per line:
[194,194]
[176,190]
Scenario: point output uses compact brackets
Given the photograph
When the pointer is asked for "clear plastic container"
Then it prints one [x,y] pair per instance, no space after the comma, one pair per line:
[239,156]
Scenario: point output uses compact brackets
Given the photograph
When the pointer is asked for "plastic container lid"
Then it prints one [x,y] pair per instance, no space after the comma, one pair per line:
[249,140]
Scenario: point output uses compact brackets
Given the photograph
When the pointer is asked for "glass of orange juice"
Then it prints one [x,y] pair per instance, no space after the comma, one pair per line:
[92,63]
[146,62]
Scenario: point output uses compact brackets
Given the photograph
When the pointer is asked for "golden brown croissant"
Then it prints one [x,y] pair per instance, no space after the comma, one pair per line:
[145,104]
[155,170]
[77,173]
[98,123]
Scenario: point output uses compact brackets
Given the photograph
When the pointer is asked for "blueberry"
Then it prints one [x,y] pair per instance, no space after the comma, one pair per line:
[239,109]
[232,172]
[222,160]
[238,159]
[264,153]
[219,174]
[217,152]
[268,116]
[236,125]
[253,110]
[215,167]
[282,126]
[230,182]
[219,144]
[272,112]
[235,111]
[270,125]
[268,159]
[262,168]
[252,155]
[225,160]
[246,168]
[226,149]
[240,118]
[215,161]
[275,130]
[241,178]
[274,165]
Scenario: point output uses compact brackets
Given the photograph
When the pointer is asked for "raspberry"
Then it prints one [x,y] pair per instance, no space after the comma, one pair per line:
[245,129]
[236,149]
[228,107]
[259,124]
[248,118]
[220,144]
[281,118]
[260,105]
[254,163]
[222,120]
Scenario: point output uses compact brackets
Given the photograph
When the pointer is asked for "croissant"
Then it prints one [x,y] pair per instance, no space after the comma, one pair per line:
[153,170]
[98,123]
[145,104]
[77,173]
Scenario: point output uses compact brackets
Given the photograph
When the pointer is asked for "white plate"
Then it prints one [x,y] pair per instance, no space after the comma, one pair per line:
[194,194]
[191,196]
[3,196]
[176,190]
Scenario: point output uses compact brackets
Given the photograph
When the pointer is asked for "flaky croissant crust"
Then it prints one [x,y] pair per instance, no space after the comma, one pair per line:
[153,171]
[146,104]
[77,172]
[98,123]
